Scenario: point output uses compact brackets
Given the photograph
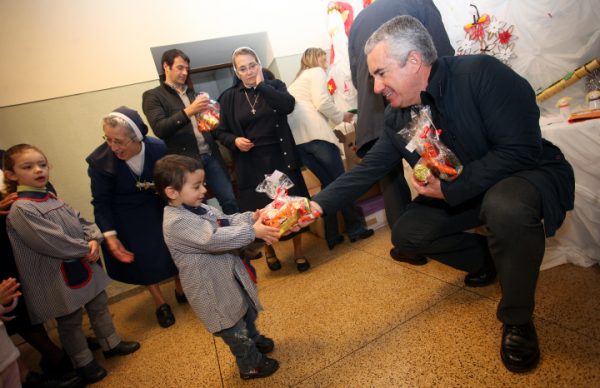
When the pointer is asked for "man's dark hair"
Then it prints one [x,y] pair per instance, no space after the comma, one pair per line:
[169,56]
[171,171]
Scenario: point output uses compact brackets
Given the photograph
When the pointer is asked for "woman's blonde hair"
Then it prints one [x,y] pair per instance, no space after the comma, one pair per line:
[310,59]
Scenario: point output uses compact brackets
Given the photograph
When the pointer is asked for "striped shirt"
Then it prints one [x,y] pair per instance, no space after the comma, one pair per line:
[212,274]
[43,234]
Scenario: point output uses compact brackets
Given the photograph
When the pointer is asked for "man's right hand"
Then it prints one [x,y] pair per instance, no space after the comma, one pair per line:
[118,251]
[200,104]
[243,144]
[314,207]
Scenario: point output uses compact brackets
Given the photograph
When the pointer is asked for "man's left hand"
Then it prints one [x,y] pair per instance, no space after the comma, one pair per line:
[430,188]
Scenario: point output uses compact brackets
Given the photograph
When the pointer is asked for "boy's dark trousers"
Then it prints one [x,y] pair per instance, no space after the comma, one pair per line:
[240,339]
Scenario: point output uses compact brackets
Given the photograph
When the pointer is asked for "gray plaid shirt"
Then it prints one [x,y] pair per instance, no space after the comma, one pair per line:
[213,276]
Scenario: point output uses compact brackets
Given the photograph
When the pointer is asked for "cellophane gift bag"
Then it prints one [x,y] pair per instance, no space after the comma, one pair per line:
[209,119]
[285,211]
[436,158]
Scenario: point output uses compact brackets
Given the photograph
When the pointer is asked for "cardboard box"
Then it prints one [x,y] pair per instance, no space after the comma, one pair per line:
[312,182]
[348,139]
[376,220]
[373,212]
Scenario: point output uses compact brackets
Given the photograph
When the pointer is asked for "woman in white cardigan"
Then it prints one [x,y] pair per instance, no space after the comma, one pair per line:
[315,139]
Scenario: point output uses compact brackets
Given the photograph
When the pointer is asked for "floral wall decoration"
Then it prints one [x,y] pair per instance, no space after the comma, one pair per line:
[488,35]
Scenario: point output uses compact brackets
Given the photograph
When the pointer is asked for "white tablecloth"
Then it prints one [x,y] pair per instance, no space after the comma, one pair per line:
[578,239]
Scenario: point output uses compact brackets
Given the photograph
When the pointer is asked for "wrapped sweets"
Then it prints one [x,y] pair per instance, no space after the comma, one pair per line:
[209,119]
[437,159]
[284,211]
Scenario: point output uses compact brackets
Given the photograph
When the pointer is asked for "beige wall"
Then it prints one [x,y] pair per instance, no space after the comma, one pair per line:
[63,47]
[67,129]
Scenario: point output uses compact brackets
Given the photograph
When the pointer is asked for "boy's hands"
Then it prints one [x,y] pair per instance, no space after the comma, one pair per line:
[264,232]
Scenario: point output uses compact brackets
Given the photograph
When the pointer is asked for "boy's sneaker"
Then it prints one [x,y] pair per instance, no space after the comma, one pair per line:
[266,367]
[264,344]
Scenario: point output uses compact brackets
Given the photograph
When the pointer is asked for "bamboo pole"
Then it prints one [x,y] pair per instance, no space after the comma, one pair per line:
[568,80]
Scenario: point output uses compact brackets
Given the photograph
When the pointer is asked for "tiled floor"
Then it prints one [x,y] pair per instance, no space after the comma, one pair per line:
[359,319]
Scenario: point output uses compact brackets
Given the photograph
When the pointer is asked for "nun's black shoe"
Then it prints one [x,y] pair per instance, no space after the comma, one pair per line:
[91,372]
[338,240]
[481,278]
[180,297]
[123,348]
[302,264]
[410,259]
[520,350]
[272,262]
[264,344]
[164,315]
[266,367]
[366,234]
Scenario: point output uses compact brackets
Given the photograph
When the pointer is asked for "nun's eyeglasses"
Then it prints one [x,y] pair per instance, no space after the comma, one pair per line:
[116,142]
[244,69]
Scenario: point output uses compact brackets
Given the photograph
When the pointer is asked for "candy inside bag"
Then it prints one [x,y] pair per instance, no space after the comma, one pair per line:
[284,212]
[210,118]
[436,158]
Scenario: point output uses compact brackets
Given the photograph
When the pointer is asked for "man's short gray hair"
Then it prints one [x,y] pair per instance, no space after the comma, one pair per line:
[404,34]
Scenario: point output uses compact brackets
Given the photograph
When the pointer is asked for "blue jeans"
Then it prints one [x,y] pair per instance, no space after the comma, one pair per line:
[324,160]
[240,339]
[219,183]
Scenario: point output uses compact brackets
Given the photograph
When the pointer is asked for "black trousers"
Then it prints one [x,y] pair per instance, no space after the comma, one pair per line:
[511,210]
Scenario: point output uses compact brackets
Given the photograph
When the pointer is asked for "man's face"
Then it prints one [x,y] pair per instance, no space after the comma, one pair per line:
[176,74]
[400,85]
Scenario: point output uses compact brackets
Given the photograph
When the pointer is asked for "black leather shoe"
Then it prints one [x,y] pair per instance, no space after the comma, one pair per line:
[403,258]
[164,315]
[91,373]
[338,240]
[255,256]
[273,262]
[520,350]
[180,298]
[123,348]
[266,367]
[302,264]
[366,234]
[68,380]
[481,278]
[54,369]
[264,344]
